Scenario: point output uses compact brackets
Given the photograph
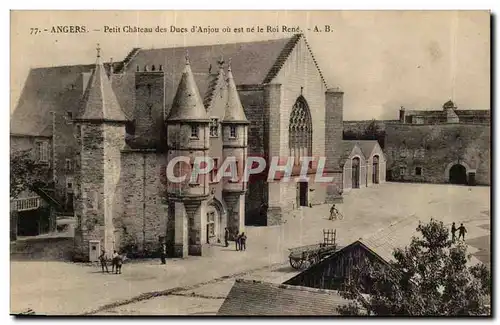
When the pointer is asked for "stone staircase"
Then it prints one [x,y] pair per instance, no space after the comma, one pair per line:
[42,248]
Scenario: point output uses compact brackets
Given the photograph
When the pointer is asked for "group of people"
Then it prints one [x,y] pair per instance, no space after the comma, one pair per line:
[240,240]
[461,232]
[116,262]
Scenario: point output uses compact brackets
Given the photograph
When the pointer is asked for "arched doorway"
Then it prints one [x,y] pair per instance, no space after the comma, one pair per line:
[355,172]
[375,173]
[458,174]
[214,225]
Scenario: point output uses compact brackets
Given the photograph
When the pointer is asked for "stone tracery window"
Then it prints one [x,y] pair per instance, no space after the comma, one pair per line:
[300,131]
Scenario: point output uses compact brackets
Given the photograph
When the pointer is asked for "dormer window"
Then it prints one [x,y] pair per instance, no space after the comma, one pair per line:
[214,127]
[232,132]
[194,131]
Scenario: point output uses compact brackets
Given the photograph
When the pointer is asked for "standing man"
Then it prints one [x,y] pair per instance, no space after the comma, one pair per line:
[237,241]
[226,237]
[114,260]
[163,253]
[102,259]
[461,231]
[453,231]
[243,242]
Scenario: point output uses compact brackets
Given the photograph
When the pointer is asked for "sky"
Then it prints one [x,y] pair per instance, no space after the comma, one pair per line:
[382,60]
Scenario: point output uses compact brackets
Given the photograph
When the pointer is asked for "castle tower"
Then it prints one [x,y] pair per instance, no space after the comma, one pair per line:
[100,134]
[188,138]
[234,146]
[149,104]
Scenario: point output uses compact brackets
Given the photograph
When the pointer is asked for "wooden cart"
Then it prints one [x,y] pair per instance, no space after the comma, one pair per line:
[306,256]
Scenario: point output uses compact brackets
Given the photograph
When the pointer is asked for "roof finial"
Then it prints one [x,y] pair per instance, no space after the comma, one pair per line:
[301,90]
[187,57]
[98,48]
[221,61]
[229,65]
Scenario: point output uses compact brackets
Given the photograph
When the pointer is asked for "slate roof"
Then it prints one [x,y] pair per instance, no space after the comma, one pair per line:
[366,146]
[255,298]
[347,148]
[57,88]
[234,112]
[99,101]
[187,104]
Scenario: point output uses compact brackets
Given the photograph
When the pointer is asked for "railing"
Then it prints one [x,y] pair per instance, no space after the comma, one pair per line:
[31,203]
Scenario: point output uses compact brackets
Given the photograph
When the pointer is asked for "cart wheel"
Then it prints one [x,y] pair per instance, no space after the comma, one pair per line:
[340,217]
[296,264]
[313,260]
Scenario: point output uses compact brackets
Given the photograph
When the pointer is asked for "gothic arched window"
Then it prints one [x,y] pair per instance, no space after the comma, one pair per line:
[300,130]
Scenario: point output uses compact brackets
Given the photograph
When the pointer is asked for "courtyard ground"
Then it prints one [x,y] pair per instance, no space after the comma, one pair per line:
[198,285]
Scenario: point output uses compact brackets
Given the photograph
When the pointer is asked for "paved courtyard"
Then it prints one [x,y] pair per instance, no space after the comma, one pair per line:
[198,285]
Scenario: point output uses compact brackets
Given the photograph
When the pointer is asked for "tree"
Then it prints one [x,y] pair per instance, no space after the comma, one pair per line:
[25,172]
[428,278]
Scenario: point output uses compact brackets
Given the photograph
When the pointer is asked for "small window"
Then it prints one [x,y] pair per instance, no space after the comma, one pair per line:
[213,172]
[70,185]
[194,131]
[42,151]
[211,224]
[236,179]
[402,171]
[214,127]
[69,117]
[418,171]
[69,165]
[194,181]
[232,131]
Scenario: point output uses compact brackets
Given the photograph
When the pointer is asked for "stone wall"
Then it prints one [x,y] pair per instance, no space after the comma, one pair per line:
[145,213]
[434,147]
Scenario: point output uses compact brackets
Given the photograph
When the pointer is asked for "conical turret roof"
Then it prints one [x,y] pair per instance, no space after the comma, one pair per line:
[234,112]
[187,104]
[99,101]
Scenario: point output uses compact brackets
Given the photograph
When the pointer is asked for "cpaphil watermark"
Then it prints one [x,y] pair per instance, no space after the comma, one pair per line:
[183,169]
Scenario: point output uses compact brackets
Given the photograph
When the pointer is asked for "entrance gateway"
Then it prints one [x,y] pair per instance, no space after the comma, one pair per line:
[302,197]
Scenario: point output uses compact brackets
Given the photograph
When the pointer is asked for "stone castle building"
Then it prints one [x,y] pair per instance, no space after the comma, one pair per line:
[108,130]
[439,146]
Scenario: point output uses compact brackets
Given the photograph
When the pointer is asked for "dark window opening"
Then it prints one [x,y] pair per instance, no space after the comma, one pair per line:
[418,171]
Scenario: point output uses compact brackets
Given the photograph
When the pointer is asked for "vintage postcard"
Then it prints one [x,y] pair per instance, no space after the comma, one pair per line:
[250,163]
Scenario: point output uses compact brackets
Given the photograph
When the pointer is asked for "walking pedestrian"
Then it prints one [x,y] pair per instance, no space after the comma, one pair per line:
[163,253]
[243,241]
[102,259]
[461,231]
[453,232]
[226,237]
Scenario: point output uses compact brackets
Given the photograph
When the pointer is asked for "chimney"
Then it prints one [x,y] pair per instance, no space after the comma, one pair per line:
[402,114]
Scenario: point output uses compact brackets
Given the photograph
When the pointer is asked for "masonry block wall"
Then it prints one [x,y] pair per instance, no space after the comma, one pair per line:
[299,71]
[348,180]
[299,76]
[252,99]
[145,214]
[149,103]
[90,207]
[433,148]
